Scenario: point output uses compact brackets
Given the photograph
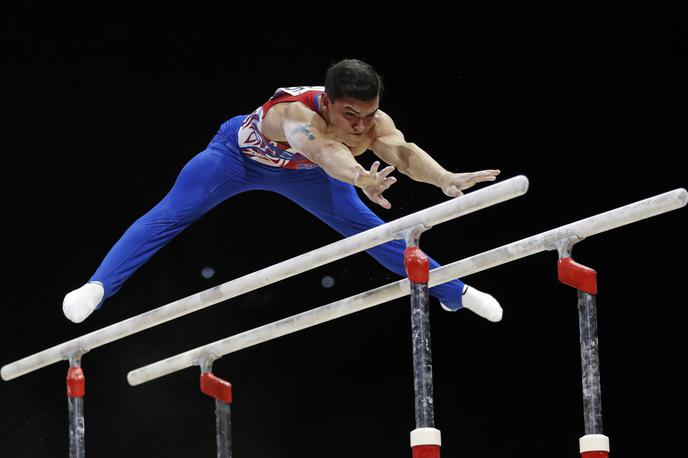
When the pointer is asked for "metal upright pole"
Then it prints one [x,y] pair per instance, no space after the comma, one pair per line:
[221,391]
[590,363]
[425,439]
[594,444]
[76,390]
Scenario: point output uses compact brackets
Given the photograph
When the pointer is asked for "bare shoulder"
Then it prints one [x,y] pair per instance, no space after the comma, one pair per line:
[295,111]
[384,125]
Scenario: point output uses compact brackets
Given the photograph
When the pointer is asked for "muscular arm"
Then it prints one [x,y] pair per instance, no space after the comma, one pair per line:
[303,131]
[391,146]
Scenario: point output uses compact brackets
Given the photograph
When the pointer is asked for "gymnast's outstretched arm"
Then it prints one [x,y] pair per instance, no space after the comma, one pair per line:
[304,132]
[391,146]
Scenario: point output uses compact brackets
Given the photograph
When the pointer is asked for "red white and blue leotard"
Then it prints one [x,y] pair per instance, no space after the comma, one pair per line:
[258,147]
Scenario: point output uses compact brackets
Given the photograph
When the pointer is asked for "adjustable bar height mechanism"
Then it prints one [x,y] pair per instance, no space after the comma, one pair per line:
[221,391]
[76,390]
[594,444]
[425,439]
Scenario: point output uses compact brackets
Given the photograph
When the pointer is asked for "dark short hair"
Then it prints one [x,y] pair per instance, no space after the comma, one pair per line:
[352,78]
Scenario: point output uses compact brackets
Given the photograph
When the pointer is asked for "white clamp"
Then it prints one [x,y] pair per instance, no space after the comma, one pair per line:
[594,443]
[426,436]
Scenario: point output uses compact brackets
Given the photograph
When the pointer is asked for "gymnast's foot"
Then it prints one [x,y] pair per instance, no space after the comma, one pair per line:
[480,303]
[80,303]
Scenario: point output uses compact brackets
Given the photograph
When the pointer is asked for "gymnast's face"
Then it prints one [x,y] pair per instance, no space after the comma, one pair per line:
[350,118]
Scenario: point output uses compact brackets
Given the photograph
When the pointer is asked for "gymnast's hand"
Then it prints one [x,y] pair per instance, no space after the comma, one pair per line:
[453,183]
[374,183]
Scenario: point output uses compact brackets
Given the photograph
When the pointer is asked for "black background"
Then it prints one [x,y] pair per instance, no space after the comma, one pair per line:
[103,107]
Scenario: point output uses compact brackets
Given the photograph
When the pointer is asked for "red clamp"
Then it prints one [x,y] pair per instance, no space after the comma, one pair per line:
[76,383]
[417,265]
[595,455]
[216,388]
[426,451]
[577,275]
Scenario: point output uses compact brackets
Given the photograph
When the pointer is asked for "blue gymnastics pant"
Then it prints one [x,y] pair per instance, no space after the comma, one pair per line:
[220,172]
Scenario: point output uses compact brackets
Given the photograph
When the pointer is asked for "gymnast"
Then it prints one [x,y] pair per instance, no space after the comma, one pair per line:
[303,144]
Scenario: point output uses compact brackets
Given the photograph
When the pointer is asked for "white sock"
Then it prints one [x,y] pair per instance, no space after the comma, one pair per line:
[482,304]
[80,303]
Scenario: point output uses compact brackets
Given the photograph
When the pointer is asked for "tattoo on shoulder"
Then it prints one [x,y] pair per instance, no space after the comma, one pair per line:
[306,131]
